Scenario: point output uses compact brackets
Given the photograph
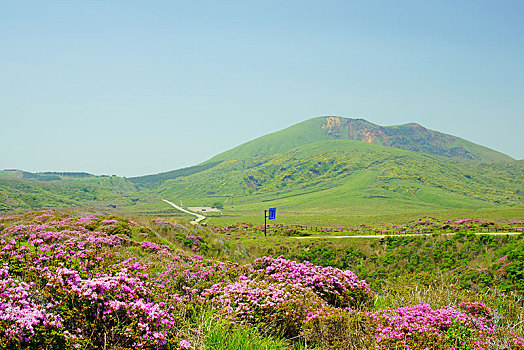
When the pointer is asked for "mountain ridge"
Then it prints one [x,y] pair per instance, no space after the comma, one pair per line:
[411,136]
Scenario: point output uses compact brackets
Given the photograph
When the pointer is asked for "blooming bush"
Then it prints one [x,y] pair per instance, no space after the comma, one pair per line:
[418,326]
[276,307]
[337,287]
[413,327]
[516,342]
[23,318]
[63,283]
[278,294]
[475,308]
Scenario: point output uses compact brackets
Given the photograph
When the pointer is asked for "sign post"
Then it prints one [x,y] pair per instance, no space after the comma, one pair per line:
[265,217]
[272,215]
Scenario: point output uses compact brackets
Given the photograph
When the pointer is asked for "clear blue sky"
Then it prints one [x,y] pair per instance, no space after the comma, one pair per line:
[139,87]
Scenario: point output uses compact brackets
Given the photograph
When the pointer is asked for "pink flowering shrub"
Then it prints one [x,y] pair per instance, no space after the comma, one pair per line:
[162,222]
[63,283]
[120,302]
[516,342]
[276,307]
[278,294]
[475,308]
[418,326]
[337,287]
[413,327]
[154,247]
[21,316]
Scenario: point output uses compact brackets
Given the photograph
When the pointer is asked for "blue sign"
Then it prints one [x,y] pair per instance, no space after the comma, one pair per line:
[272,213]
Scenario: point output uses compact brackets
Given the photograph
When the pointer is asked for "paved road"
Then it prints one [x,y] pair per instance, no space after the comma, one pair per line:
[198,216]
[412,235]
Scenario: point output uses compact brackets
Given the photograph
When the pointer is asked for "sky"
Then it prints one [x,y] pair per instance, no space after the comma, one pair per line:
[140,87]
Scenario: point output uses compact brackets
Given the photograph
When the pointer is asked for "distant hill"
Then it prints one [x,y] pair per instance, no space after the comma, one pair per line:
[20,174]
[43,176]
[412,137]
[24,190]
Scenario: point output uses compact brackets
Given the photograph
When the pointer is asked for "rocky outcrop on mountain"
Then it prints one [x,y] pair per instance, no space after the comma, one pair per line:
[412,137]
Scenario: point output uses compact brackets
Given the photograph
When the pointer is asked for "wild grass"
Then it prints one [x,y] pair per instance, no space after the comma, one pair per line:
[216,333]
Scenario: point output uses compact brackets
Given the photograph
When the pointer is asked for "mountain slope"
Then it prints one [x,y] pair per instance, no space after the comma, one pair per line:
[341,173]
[411,137]
[155,179]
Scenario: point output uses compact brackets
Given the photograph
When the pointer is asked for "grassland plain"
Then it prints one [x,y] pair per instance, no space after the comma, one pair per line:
[92,281]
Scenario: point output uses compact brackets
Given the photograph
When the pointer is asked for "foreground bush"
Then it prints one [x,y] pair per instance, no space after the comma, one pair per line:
[64,285]
[413,327]
[276,308]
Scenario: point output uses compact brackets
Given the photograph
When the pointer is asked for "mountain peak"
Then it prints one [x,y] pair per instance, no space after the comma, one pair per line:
[411,137]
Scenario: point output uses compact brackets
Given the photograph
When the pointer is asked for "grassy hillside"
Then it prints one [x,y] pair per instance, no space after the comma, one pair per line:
[151,180]
[343,173]
[278,142]
[98,191]
[411,137]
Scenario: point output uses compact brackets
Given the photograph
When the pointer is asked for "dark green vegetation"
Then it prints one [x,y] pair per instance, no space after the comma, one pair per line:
[324,169]
[498,260]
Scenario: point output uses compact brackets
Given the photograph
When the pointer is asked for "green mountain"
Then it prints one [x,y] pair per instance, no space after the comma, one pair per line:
[412,137]
[356,174]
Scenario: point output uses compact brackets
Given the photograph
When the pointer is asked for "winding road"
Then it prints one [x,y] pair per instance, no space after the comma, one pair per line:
[198,216]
